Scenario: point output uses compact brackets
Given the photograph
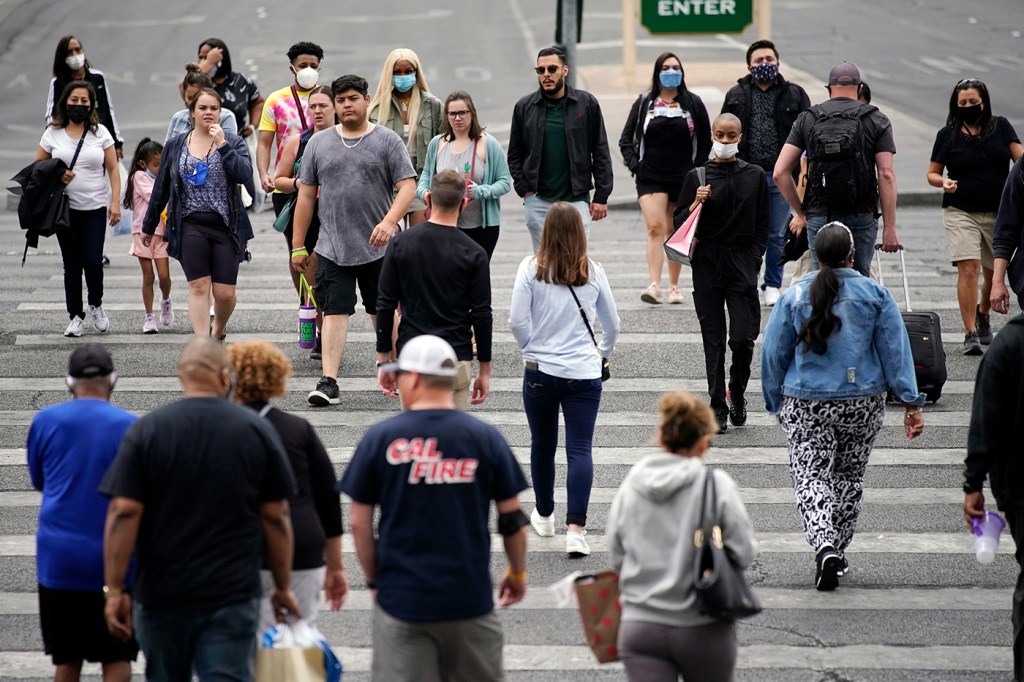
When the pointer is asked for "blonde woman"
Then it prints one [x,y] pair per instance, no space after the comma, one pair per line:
[404,104]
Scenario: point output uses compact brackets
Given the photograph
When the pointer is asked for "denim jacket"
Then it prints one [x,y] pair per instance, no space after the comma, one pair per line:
[867,355]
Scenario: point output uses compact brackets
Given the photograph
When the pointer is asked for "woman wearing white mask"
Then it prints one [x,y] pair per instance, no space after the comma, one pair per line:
[404,104]
[70,64]
[732,236]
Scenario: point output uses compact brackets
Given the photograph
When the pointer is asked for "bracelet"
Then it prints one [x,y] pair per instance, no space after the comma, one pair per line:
[909,413]
[112,592]
[299,252]
[295,184]
[518,577]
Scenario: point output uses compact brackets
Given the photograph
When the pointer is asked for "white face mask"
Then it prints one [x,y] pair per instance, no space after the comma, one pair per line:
[76,61]
[725,151]
[307,78]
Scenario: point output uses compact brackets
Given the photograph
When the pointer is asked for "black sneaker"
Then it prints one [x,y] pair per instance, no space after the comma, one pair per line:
[983,326]
[972,345]
[105,261]
[325,393]
[828,564]
[318,350]
[723,421]
[844,566]
[737,410]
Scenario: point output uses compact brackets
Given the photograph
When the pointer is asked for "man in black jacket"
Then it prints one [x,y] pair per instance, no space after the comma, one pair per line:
[557,143]
[767,105]
[993,450]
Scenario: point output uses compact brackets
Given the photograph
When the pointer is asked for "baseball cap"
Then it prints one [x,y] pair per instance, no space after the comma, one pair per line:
[844,73]
[426,354]
[90,360]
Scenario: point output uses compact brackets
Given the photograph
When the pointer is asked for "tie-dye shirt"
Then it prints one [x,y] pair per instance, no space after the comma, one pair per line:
[281,117]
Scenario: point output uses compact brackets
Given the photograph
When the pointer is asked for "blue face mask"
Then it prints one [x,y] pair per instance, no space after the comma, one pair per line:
[670,78]
[198,178]
[404,83]
[151,174]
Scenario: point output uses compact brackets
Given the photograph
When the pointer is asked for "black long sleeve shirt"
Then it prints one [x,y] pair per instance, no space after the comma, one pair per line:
[442,280]
[736,214]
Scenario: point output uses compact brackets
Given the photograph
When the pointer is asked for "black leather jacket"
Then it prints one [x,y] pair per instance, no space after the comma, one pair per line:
[791,102]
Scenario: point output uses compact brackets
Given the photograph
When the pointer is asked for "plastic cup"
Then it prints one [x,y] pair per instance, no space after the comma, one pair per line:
[986,536]
[307,327]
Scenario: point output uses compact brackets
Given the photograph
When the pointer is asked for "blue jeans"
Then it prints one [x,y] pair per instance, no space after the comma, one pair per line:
[218,645]
[778,214]
[536,209]
[579,400]
[864,228]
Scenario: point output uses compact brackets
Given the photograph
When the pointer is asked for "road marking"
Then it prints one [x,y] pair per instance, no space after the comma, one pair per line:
[389,18]
[187,20]
[529,40]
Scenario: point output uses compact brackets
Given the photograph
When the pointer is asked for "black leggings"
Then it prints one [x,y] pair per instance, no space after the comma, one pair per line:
[81,249]
[486,237]
[208,249]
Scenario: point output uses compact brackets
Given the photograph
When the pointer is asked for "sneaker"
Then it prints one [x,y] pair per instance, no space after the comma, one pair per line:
[828,564]
[983,326]
[575,545]
[76,327]
[972,345]
[105,261]
[149,324]
[318,350]
[99,318]
[771,296]
[844,566]
[737,410]
[544,525]
[651,294]
[723,421]
[675,296]
[166,312]
[325,393]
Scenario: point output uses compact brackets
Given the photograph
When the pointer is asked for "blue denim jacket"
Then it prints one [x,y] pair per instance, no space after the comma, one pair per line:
[867,355]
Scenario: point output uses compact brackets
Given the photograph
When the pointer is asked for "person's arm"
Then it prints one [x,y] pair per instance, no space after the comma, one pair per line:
[993,413]
[777,353]
[388,226]
[629,155]
[1016,151]
[701,131]
[517,152]
[601,163]
[389,294]
[328,509]
[513,585]
[114,178]
[613,531]
[482,317]
[496,160]
[263,145]
[892,346]
[887,200]
[1006,235]
[519,319]
[284,181]
[255,112]
[360,520]
[687,200]
[35,457]
[936,179]
[120,533]
[788,159]
[228,122]
[429,165]
[234,154]
[607,313]
[275,518]
[115,129]
[50,104]
[801,187]
[762,215]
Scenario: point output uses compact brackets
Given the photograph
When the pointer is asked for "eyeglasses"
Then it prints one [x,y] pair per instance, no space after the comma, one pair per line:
[458,114]
[551,68]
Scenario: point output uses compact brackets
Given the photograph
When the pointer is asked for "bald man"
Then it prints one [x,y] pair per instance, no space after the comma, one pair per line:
[197,490]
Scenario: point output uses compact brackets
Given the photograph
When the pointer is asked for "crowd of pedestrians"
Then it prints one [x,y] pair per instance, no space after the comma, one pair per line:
[204,522]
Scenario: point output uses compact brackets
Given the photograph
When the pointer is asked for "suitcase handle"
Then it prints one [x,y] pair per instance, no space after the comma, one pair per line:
[903,268]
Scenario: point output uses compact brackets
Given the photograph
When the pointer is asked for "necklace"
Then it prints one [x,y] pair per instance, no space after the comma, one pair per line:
[353,146]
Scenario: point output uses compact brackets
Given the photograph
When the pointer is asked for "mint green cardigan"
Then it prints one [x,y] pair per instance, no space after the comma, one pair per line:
[497,179]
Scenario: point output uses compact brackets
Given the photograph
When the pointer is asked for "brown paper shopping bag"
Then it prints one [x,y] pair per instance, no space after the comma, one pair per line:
[290,664]
[600,613]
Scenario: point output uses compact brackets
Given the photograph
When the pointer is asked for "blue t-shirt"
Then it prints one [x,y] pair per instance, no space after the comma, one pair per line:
[70,447]
[434,474]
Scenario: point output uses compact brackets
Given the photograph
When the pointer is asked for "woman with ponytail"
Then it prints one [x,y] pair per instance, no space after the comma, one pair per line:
[834,345]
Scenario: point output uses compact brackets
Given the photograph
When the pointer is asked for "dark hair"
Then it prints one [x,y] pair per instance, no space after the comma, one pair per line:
[349,82]
[552,52]
[196,77]
[475,129]
[60,117]
[760,45]
[146,150]
[685,419]
[305,47]
[205,91]
[562,258]
[447,191]
[61,71]
[658,63]
[986,124]
[864,92]
[225,62]
[833,245]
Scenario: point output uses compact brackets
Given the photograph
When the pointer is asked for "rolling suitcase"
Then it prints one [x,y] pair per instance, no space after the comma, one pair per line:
[925,332]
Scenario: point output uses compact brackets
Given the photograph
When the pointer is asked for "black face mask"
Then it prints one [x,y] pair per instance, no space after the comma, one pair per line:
[78,113]
[970,115]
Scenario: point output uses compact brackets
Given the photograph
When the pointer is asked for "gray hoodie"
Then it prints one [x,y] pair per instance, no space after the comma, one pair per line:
[650,536]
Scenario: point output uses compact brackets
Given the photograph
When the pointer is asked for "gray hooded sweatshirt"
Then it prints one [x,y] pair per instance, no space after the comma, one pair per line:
[650,536]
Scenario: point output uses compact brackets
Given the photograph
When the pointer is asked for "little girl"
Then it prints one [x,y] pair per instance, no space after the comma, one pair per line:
[136,197]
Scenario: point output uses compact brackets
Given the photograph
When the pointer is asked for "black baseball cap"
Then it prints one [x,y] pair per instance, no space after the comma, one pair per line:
[844,73]
[90,360]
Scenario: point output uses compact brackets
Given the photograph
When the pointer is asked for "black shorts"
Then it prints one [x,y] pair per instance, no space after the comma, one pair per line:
[74,629]
[335,288]
[652,182]
[208,249]
[312,234]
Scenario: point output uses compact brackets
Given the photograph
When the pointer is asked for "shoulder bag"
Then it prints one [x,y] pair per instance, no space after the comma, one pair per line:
[59,218]
[719,586]
[298,107]
[606,370]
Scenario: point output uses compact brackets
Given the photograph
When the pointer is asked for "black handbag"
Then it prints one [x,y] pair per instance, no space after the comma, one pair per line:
[719,586]
[606,370]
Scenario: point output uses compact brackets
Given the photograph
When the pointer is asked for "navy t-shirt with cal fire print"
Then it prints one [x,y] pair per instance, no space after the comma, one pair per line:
[434,474]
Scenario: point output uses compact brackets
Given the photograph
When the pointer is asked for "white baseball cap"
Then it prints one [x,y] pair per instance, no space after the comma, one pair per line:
[426,354]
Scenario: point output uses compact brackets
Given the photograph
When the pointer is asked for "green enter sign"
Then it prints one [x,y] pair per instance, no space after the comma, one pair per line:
[696,16]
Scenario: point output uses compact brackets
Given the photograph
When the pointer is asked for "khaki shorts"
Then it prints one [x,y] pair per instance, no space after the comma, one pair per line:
[969,235]
[463,384]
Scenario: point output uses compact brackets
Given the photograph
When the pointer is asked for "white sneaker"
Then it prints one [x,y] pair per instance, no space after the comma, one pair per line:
[576,545]
[76,327]
[166,312]
[771,296]
[544,525]
[149,325]
[99,318]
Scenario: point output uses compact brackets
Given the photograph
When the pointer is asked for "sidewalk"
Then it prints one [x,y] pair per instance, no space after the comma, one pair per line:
[710,81]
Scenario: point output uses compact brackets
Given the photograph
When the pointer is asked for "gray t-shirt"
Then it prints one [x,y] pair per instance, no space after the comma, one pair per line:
[356,178]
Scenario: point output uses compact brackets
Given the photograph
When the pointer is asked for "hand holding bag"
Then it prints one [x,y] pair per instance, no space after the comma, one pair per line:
[600,613]
[720,588]
[682,245]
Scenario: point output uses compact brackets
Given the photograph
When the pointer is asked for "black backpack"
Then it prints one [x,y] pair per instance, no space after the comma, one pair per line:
[841,176]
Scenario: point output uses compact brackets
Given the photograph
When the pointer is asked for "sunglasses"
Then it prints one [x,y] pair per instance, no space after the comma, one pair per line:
[969,81]
[551,68]
[458,114]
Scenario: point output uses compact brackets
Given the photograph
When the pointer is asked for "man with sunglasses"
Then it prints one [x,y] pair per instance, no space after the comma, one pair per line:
[557,144]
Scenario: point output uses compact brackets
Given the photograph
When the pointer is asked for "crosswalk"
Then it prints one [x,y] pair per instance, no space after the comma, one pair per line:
[915,606]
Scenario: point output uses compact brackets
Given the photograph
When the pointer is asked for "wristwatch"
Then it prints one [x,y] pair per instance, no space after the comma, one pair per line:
[111,592]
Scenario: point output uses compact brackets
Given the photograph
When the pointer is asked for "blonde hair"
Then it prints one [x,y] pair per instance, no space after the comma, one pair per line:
[685,419]
[262,370]
[381,102]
